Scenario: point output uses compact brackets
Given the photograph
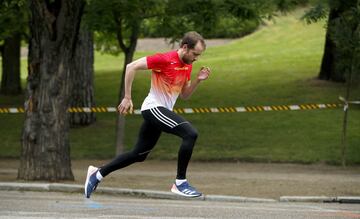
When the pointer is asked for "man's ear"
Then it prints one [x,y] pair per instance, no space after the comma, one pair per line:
[185,47]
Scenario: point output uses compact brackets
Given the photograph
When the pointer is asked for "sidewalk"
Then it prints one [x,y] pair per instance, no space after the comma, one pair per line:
[284,182]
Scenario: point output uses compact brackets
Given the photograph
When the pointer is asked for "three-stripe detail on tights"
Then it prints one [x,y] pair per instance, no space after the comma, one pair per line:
[162,118]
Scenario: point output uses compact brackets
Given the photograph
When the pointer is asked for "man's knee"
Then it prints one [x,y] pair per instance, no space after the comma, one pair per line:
[192,134]
[188,133]
[190,138]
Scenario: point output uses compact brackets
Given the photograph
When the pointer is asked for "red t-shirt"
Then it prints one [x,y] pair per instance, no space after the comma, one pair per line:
[169,75]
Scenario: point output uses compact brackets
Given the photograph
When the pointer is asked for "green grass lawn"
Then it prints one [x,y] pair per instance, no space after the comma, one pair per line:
[274,66]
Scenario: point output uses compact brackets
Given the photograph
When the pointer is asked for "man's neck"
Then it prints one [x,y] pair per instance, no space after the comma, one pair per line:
[180,53]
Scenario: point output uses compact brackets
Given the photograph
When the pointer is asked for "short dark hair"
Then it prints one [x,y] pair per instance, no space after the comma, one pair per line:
[191,39]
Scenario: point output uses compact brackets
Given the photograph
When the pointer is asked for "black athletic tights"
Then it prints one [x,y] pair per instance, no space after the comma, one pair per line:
[157,120]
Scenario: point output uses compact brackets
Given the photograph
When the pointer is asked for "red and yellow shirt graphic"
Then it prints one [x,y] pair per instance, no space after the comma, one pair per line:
[169,75]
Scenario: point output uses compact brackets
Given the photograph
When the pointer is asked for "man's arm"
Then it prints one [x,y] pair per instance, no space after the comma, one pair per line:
[126,104]
[190,87]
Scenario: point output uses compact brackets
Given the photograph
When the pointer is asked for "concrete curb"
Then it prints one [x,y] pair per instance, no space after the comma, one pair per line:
[58,187]
[226,198]
[73,188]
[349,199]
[307,199]
[324,199]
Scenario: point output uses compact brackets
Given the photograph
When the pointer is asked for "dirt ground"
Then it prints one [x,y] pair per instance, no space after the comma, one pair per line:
[161,44]
[156,45]
[242,179]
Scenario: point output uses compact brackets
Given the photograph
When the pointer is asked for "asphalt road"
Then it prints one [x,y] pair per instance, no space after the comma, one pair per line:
[15,204]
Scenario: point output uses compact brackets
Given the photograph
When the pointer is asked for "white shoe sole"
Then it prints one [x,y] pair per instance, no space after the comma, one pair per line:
[176,191]
[90,171]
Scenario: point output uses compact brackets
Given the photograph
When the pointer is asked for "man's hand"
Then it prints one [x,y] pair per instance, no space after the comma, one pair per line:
[125,106]
[204,73]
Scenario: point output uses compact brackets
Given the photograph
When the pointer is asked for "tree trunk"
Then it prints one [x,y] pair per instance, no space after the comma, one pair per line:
[120,121]
[45,152]
[328,63]
[83,79]
[331,68]
[10,81]
[129,55]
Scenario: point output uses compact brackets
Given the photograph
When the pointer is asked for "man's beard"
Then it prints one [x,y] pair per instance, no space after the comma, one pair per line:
[186,60]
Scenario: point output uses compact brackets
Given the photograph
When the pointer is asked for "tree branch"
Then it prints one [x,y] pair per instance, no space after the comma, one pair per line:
[135,28]
[119,35]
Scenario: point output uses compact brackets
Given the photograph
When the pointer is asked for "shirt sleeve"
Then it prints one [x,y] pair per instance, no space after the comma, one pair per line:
[156,61]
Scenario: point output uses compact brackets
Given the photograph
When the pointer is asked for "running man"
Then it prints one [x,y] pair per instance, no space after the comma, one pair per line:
[170,78]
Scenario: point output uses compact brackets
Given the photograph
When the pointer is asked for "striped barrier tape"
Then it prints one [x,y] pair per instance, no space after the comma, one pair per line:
[197,110]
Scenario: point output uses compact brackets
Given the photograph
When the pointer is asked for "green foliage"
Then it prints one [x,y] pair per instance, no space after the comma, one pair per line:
[104,15]
[212,18]
[318,12]
[106,43]
[321,8]
[230,27]
[226,26]
[13,17]
[216,19]
[289,5]
[172,18]
[117,20]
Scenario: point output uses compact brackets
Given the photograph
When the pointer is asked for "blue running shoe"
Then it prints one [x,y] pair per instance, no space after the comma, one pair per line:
[185,189]
[91,181]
